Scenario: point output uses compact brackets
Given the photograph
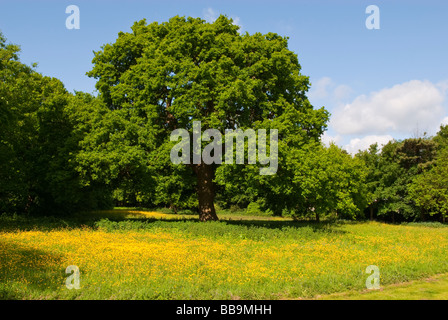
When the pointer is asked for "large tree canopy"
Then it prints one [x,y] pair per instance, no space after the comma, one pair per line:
[163,76]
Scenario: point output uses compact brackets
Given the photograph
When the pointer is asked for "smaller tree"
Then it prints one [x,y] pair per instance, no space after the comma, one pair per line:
[400,162]
[371,159]
[441,138]
[430,189]
[41,127]
[329,180]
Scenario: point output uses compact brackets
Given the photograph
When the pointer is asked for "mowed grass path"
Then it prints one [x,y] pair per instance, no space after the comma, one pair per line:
[433,288]
[140,256]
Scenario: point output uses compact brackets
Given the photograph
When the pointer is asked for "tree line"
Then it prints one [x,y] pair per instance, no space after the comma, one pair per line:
[63,152]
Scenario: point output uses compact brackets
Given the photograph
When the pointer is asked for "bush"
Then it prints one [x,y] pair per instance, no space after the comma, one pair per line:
[234,208]
[253,208]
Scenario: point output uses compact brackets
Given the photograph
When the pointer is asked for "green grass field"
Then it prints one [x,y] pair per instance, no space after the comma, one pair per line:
[139,254]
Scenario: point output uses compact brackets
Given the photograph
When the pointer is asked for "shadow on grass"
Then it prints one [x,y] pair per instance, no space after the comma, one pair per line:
[122,220]
[28,272]
[235,229]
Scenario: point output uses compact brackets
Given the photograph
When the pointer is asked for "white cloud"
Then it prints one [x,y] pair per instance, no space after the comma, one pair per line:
[445,121]
[364,143]
[325,88]
[319,90]
[443,85]
[327,139]
[398,110]
[342,92]
[210,15]
[237,22]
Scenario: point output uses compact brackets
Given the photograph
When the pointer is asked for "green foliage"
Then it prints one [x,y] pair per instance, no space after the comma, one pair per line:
[441,138]
[371,159]
[330,180]
[253,208]
[407,179]
[429,190]
[42,126]
[402,162]
[62,152]
[161,77]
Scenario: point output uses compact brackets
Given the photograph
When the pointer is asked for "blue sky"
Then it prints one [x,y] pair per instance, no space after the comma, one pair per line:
[378,84]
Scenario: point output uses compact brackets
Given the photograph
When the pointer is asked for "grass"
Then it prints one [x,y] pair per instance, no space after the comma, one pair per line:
[140,254]
[433,288]
[166,214]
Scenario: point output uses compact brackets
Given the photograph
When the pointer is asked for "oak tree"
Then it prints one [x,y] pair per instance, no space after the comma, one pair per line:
[163,76]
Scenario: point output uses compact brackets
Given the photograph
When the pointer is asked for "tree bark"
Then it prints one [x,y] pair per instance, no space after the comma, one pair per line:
[422,214]
[206,192]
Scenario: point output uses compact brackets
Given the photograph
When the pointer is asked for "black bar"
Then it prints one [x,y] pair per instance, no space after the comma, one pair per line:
[220,309]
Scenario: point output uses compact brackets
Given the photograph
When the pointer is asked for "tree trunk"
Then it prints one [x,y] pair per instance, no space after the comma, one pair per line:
[206,192]
[317,217]
[422,214]
[371,212]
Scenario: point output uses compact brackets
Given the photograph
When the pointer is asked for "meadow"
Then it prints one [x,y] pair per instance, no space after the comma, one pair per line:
[135,254]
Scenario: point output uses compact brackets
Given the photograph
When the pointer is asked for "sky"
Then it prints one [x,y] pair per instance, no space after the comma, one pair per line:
[383,83]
